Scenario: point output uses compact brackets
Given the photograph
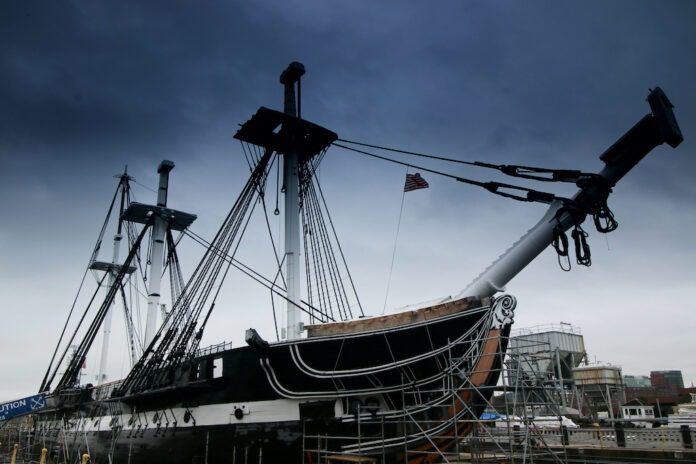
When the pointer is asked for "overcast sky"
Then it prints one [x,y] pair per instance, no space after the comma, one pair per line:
[89,87]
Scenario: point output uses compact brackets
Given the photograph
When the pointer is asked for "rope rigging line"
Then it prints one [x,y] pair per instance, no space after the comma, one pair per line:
[406,152]
[276,160]
[176,278]
[310,293]
[132,234]
[333,291]
[582,249]
[578,234]
[271,285]
[323,250]
[235,262]
[197,339]
[315,249]
[603,217]
[179,336]
[133,338]
[279,272]
[46,384]
[312,248]
[95,251]
[532,195]
[560,244]
[248,271]
[526,172]
[326,282]
[338,243]
[180,316]
[557,175]
[72,372]
[207,281]
[246,156]
[144,186]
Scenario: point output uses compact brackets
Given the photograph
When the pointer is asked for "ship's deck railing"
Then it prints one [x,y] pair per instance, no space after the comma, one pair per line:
[212,349]
[104,391]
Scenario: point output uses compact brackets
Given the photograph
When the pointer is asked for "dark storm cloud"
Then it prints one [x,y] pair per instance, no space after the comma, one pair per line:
[83,83]
[127,73]
[88,72]
[86,87]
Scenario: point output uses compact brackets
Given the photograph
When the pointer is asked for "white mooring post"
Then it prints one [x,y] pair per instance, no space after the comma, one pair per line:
[293,328]
[158,233]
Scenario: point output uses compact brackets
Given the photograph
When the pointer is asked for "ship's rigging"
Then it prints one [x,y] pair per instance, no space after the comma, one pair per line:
[118,276]
[593,203]
[265,396]
[271,139]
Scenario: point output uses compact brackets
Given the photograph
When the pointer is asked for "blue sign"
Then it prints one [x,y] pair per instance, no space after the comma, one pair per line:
[20,407]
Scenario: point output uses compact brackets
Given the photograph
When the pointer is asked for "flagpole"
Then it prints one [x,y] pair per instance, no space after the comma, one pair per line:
[396,239]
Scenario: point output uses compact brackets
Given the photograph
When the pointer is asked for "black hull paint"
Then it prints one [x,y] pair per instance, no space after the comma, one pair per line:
[252,443]
[319,384]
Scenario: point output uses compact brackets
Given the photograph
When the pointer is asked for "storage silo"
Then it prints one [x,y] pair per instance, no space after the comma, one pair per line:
[546,356]
[553,350]
[602,386]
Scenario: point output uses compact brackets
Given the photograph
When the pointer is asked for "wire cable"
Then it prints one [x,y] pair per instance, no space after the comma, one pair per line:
[406,152]
[493,187]
[526,172]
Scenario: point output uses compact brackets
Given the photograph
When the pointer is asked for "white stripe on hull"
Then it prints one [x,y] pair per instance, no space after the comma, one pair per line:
[254,412]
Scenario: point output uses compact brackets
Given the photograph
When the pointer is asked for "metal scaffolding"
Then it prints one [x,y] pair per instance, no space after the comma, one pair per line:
[509,429]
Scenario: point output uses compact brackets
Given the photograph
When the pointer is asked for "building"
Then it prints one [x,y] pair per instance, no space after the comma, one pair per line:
[636,381]
[635,411]
[665,391]
[667,379]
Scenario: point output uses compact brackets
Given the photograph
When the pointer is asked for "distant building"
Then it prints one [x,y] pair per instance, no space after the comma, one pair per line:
[663,393]
[636,381]
[635,411]
[667,379]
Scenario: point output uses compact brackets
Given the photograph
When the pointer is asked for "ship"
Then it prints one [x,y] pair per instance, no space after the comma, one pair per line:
[398,387]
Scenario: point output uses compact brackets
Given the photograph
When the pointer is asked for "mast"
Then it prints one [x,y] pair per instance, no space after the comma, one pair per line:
[158,234]
[652,130]
[299,141]
[113,271]
[291,182]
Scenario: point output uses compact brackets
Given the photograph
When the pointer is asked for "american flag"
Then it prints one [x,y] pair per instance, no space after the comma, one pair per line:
[414,182]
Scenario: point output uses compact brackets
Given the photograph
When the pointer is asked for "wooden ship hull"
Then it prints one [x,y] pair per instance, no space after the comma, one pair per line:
[370,387]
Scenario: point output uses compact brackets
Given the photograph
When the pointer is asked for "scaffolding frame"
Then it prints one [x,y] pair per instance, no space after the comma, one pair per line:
[515,436]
